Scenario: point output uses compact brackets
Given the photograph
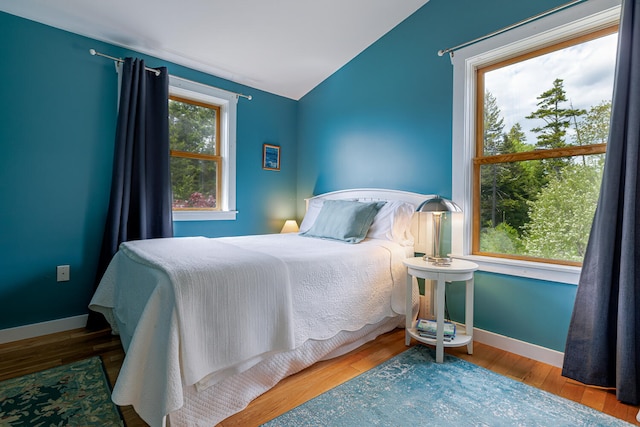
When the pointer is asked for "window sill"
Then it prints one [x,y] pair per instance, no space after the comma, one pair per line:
[204,215]
[529,269]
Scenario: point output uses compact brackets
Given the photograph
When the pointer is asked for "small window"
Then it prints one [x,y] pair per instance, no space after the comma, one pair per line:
[202,139]
[196,164]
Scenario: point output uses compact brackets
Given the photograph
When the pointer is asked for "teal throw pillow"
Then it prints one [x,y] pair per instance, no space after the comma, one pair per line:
[344,220]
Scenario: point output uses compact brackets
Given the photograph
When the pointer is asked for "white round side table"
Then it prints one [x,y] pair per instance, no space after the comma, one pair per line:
[458,270]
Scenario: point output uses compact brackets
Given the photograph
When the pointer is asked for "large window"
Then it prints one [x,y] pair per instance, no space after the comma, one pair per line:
[531,114]
[540,143]
[202,141]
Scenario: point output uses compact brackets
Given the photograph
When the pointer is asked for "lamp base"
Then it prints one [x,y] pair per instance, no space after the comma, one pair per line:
[439,261]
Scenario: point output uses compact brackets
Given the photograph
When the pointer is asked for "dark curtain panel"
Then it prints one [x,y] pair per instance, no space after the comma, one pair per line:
[603,344]
[140,201]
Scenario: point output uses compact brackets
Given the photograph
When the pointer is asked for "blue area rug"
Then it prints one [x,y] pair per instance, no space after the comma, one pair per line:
[412,390]
[77,394]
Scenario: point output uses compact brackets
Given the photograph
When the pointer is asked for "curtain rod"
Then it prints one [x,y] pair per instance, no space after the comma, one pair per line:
[450,50]
[120,60]
[154,70]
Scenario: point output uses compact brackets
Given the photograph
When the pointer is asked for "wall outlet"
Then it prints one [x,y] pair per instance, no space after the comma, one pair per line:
[63,273]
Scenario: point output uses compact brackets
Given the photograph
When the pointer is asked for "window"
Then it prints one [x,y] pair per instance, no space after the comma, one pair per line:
[531,114]
[202,142]
[539,156]
[196,164]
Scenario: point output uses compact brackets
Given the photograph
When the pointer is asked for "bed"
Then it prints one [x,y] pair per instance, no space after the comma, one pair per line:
[210,324]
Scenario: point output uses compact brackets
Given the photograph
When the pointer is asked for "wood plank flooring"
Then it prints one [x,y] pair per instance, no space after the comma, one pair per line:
[35,354]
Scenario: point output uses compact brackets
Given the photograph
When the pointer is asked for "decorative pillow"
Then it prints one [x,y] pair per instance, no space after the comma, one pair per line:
[393,222]
[344,220]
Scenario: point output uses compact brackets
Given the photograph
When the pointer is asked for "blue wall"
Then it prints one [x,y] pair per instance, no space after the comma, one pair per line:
[58,111]
[384,120]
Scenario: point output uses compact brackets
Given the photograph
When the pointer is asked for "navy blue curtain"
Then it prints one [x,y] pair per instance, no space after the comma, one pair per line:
[140,201]
[603,344]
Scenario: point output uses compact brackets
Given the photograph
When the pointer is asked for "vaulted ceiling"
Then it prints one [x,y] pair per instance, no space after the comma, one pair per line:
[285,47]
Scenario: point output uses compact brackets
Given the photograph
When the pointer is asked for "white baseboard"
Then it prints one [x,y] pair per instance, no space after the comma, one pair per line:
[521,348]
[512,345]
[44,328]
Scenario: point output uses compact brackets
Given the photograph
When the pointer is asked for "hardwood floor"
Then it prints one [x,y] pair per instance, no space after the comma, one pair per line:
[23,357]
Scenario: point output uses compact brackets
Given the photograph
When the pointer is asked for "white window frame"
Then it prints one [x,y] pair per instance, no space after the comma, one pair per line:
[569,23]
[228,105]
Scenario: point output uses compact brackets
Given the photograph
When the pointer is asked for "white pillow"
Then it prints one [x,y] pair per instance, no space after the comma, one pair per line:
[312,213]
[393,222]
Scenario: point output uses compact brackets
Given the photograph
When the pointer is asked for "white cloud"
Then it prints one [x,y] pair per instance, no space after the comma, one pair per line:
[587,70]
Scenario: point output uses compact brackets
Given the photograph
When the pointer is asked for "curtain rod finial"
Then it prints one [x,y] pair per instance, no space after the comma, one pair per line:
[440,52]
[92,52]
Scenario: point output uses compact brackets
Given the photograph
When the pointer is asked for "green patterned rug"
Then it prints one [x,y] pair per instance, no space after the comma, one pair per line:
[412,390]
[77,394]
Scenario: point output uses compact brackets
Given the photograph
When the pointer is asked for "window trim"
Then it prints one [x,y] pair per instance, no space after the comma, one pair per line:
[227,101]
[569,23]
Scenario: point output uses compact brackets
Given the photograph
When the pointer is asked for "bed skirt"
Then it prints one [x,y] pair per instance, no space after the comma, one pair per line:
[230,396]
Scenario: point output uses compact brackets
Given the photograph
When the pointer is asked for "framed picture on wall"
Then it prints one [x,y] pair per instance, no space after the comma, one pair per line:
[271,157]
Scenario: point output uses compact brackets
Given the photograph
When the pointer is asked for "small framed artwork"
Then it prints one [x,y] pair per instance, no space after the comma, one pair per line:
[271,157]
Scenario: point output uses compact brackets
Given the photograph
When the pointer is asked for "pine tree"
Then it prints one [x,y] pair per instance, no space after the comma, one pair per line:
[557,120]
[493,125]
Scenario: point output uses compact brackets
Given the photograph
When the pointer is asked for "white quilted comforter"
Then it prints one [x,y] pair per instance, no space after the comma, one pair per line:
[272,293]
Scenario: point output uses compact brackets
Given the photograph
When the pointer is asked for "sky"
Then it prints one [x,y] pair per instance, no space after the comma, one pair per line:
[587,70]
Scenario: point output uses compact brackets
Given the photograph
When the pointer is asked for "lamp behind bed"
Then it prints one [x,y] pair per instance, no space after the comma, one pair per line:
[290,226]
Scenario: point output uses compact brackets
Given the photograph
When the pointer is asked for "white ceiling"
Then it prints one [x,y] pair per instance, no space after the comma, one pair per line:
[286,47]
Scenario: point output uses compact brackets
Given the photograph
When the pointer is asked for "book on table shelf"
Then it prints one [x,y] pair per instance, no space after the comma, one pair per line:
[427,328]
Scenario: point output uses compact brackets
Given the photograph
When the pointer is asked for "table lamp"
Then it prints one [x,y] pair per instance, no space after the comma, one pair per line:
[438,206]
[290,226]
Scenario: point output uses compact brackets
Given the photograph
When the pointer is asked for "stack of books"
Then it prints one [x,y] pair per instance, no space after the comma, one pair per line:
[427,328]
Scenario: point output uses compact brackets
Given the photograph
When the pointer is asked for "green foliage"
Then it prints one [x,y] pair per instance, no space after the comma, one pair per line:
[557,119]
[594,129]
[192,128]
[505,187]
[193,182]
[562,214]
[503,239]
[541,208]
[493,126]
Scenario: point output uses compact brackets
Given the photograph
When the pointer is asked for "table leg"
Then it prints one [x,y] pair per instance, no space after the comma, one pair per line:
[440,289]
[468,316]
[408,310]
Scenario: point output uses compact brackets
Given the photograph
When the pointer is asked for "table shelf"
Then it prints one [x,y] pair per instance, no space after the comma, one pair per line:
[459,340]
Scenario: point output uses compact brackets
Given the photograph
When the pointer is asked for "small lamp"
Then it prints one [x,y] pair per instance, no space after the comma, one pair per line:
[438,206]
[290,226]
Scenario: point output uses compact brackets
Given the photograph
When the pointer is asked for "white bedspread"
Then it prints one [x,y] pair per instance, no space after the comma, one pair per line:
[334,287]
[252,314]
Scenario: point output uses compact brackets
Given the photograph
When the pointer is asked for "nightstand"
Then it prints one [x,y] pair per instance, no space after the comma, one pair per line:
[459,270]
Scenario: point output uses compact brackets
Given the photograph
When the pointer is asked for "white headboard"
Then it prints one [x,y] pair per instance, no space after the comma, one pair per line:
[421,232]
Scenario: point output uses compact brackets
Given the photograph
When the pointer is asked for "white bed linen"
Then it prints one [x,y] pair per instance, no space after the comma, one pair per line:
[203,271]
[334,287]
[208,407]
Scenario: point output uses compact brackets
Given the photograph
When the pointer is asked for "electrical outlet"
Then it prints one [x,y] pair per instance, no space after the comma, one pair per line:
[63,273]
